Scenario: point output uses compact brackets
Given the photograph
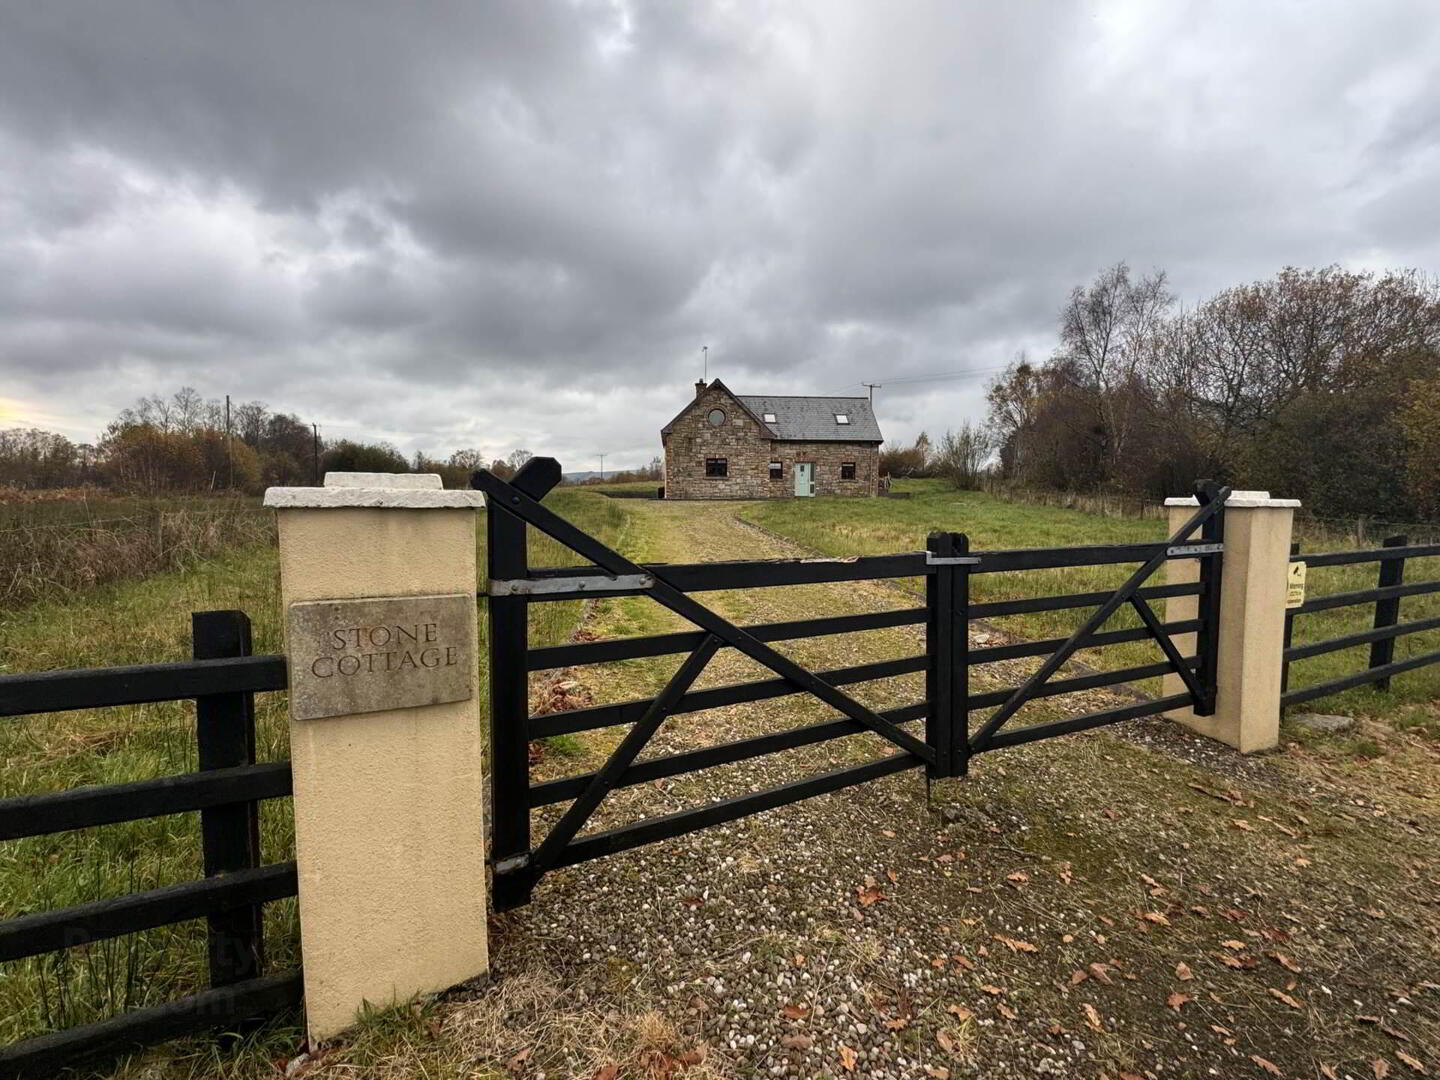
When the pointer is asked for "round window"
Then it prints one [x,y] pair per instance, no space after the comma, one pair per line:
[717,416]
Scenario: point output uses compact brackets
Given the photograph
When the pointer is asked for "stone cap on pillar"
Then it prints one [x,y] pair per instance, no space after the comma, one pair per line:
[1241,500]
[393,491]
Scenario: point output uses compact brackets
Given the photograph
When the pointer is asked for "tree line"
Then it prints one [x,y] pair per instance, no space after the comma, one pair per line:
[183,443]
[1316,384]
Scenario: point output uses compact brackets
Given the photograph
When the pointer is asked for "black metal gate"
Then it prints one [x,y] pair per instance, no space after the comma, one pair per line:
[947,744]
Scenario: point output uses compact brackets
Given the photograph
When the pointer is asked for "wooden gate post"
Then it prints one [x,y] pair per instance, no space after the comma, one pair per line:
[377,575]
[1251,632]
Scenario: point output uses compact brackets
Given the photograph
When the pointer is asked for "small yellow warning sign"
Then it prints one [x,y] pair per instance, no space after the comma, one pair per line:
[1295,586]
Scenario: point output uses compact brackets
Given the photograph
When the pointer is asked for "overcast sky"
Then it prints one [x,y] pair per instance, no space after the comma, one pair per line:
[516,224]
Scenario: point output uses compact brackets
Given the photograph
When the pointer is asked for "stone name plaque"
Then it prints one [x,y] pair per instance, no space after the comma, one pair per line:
[359,656]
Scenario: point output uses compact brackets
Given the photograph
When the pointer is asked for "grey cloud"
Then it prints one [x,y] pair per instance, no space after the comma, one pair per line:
[507,223]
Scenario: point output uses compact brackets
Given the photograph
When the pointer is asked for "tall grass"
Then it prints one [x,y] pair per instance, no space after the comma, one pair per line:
[147,620]
[68,545]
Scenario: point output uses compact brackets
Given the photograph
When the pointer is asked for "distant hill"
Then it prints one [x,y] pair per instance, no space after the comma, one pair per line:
[578,477]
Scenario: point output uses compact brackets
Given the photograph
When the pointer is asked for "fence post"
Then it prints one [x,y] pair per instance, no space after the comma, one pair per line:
[1289,634]
[947,651]
[507,558]
[1387,612]
[1250,629]
[377,575]
[939,674]
[230,835]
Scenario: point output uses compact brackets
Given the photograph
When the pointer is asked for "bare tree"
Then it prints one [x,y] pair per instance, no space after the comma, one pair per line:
[963,455]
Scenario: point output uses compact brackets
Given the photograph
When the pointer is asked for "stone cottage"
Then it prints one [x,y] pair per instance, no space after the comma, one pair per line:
[727,446]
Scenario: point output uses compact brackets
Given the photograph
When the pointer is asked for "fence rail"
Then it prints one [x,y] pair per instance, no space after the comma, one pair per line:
[1389,590]
[227,790]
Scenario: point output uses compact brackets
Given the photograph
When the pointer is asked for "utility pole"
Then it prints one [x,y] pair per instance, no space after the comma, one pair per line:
[873,386]
[705,351]
[602,468]
[229,454]
[315,448]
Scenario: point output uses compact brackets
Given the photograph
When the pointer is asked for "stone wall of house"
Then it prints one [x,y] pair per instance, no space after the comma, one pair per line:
[748,454]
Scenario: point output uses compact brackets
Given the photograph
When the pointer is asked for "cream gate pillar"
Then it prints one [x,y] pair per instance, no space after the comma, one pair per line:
[377,577]
[1251,641]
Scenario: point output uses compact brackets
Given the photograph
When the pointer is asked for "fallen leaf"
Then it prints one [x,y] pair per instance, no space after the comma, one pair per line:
[1092,1017]
[1006,1011]
[1414,1063]
[518,1061]
[893,876]
[797,1042]
[937,1072]
[1233,944]
[1268,1066]
[1101,972]
[847,1058]
[1177,999]
[960,1011]
[1286,998]
[796,1012]
[995,990]
[1183,972]
[943,1038]
[1328,1071]
[1078,976]
[900,1023]
[1155,917]
[1016,945]
[1284,961]
[607,1072]
[1017,878]
[1243,825]
[868,893]
[1381,1068]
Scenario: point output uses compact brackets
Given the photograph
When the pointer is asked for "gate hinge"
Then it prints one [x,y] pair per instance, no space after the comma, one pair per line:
[593,584]
[1186,551]
[931,559]
[513,865]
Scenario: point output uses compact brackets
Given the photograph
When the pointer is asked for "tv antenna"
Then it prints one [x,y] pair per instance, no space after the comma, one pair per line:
[872,387]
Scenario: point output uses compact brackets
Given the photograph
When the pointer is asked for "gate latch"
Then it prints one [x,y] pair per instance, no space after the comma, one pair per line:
[931,559]
[1187,551]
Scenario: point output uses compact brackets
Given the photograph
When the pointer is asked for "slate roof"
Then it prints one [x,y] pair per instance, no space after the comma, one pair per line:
[812,419]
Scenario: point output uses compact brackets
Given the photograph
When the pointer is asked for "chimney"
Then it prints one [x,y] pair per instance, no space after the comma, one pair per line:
[699,387]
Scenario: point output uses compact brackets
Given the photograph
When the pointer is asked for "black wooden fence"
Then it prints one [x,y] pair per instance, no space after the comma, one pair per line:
[1389,588]
[222,678]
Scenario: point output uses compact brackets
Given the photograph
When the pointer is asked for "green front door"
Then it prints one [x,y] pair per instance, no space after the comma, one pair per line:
[804,478]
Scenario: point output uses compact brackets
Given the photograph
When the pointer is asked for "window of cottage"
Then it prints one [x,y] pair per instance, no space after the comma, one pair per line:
[717,466]
[716,417]
[847,470]
[769,418]
[842,418]
[777,471]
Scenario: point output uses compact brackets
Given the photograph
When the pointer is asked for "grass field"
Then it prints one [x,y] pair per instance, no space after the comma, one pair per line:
[834,526]
[67,542]
[147,621]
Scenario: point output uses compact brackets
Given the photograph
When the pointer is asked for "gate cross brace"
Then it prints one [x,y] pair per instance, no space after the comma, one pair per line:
[510,498]
[1126,592]
[623,756]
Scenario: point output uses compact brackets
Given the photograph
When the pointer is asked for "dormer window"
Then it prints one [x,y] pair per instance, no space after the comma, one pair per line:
[842,418]
[769,418]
